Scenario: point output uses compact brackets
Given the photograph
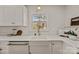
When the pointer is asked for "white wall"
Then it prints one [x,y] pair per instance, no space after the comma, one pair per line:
[56,20]
[55,16]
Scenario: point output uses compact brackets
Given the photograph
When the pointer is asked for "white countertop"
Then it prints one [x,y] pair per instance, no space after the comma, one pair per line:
[30,38]
[39,38]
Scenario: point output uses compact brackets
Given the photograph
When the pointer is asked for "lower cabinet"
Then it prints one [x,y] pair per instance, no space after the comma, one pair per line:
[46,47]
[40,47]
[36,47]
[57,47]
[4,47]
[18,47]
[69,49]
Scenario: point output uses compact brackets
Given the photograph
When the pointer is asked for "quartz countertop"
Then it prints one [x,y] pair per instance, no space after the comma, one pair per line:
[39,38]
[36,38]
[30,38]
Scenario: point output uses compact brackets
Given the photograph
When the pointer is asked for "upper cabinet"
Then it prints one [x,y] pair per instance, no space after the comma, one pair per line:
[13,15]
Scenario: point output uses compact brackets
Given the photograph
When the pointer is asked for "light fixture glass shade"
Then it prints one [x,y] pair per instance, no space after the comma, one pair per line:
[38,7]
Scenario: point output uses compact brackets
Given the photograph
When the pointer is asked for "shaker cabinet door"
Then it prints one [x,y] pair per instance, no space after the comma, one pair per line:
[3,47]
[18,49]
[40,47]
[57,47]
[13,15]
[69,49]
[1,15]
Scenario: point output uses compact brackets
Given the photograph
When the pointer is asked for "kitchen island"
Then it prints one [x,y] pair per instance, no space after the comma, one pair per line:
[37,45]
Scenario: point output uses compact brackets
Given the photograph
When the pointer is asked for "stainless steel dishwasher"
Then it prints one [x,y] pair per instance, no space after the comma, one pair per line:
[18,47]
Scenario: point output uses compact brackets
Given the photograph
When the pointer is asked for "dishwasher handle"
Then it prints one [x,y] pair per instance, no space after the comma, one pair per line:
[18,44]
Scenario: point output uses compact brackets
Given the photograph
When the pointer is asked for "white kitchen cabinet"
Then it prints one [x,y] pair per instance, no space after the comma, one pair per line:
[56,47]
[4,47]
[1,15]
[18,47]
[69,49]
[40,47]
[13,15]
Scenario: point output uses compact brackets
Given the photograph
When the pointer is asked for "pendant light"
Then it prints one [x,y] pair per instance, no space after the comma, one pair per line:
[38,7]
